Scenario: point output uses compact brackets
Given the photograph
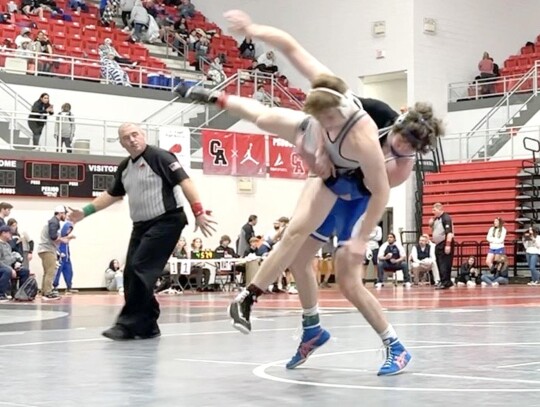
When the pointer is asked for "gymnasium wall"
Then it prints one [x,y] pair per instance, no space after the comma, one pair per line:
[338,33]
[465,29]
[105,235]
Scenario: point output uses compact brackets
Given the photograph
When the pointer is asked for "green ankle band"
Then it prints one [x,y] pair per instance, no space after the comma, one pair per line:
[89,210]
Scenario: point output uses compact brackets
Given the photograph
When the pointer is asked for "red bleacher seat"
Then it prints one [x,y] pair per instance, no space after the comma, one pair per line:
[62,68]
[60,40]
[91,42]
[92,54]
[510,62]
[9,31]
[93,71]
[123,49]
[75,41]
[79,70]
[75,52]
[137,76]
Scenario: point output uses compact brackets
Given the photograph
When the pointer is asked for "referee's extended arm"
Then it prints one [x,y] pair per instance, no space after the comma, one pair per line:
[101,202]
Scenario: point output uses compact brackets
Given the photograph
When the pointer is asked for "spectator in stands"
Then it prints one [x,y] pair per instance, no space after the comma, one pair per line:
[495,237]
[216,73]
[114,277]
[64,130]
[126,6]
[260,95]
[499,272]
[485,66]
[373,245]
[251,249]
[107,48]
[186,9]
[422,258]
[392,257]
[50,5]
[5,211]
[468,273]
[193,39]
[10,264]
[38,117]
[267,63]
[180,251]
[23,37]
[496,71]
[12,7]
[442,234]
[78,5]
[531,45]
[224,250]
[31,8]
[531,243]
[202,48]
[246,233]
[42,45]
[21,242]
[202,274]
[138,20]
[247,48]
[112,71]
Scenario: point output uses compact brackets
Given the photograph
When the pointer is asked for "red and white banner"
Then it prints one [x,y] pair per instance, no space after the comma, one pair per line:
[251,155]
[219,153]
[284,161]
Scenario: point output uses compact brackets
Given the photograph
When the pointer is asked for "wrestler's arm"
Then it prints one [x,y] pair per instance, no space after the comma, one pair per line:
[399,170]
[298,56]
[363,144]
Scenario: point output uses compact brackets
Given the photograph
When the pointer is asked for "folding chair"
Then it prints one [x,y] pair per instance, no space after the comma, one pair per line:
[225,274]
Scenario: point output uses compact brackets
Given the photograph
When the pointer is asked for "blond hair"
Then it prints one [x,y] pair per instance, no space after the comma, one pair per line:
[316,102]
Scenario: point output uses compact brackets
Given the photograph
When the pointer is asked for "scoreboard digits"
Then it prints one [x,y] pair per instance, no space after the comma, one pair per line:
[54,178]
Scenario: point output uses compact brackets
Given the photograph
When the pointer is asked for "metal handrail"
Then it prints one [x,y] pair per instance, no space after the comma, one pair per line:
[505,101]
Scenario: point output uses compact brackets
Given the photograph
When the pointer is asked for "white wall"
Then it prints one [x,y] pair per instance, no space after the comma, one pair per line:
[465,29]
[393,92]
[338,33]
[105,235]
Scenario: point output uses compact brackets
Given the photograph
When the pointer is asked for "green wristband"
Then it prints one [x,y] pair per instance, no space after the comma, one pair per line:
[89,210]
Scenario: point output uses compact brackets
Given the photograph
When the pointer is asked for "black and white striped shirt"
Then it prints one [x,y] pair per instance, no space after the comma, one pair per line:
[151,182]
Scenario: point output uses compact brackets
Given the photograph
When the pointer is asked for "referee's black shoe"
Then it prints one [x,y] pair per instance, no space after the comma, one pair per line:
[240,311]
[198,94]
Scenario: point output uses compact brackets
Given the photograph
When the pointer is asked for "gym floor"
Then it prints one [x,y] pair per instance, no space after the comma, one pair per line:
[470,346]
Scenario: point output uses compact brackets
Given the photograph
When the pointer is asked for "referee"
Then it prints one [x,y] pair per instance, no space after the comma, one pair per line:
[443,237]
[154,181]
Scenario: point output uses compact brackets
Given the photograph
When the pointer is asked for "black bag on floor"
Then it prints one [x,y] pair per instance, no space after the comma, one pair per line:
[28,290]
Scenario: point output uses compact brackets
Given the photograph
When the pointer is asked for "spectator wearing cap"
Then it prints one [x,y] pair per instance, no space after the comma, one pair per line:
[23,37]
[5,210]
[10,264]
[48,249]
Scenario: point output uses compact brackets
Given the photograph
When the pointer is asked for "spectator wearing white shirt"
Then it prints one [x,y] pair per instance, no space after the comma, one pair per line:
[267,62]
[373,244]
[495,237]
[23,37]
[392,257]
[423,259]
[531,242]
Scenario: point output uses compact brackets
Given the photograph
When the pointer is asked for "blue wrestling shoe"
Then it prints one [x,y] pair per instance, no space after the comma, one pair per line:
[312,339]
[397,358]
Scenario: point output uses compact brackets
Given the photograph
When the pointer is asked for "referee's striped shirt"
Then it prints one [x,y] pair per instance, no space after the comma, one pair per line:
[151,183]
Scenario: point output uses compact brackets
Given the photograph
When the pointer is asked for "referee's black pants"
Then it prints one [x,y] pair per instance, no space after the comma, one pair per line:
[150,247]
[444,262]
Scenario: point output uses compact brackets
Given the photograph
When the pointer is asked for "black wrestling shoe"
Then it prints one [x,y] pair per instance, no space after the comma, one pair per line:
[198,94]
[118,333]
[240,311]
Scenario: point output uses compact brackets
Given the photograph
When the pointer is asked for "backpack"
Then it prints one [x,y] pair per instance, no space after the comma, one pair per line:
[28,291]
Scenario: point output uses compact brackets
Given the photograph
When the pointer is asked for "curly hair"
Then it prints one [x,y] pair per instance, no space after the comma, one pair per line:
[420,127]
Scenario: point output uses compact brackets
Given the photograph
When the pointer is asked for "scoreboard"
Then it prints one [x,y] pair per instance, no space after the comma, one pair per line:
[46,178]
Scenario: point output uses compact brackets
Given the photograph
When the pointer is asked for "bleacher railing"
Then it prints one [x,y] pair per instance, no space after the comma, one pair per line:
[464,147]
[83,68]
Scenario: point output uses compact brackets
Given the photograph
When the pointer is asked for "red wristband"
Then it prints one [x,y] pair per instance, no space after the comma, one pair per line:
[198,210]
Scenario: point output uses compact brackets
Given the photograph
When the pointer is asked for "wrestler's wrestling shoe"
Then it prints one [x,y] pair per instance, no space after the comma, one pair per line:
[198,94]
[312,339]
[397,358]
[240,310]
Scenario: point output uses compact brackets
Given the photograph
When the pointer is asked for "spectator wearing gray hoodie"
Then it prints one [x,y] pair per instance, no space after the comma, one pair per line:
[139,20]
[126,6]
[64,130]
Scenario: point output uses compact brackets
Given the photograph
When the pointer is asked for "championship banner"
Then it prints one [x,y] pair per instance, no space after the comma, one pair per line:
[177,140]
[251,155]
[218,152]
[284,162]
